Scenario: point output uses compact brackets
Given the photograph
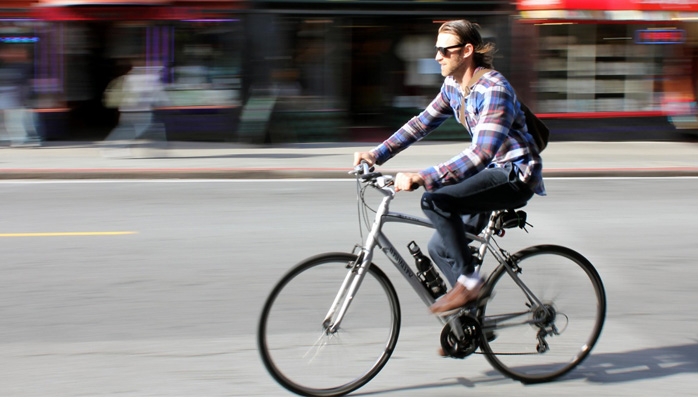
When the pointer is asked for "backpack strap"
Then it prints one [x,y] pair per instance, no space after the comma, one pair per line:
[536,127]
[476,77]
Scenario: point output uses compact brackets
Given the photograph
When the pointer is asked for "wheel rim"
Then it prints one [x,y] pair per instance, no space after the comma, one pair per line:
[566,326]
[308,361]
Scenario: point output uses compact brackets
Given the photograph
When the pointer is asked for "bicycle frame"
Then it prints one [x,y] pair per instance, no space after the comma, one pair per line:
[506,323]
[376,237]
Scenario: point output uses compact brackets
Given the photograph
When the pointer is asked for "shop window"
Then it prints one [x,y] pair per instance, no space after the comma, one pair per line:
[204,64]
[599,68]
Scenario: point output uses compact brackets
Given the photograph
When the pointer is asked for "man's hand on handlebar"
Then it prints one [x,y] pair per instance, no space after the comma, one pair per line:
[404,181]
[364,156]
[408,181]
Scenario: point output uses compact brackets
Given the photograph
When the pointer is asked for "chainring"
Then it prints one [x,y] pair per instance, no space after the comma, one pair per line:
[471,338]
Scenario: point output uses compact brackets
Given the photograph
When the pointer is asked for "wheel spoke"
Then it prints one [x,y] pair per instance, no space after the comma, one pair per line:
[334,363]
[564,324]
[316,348]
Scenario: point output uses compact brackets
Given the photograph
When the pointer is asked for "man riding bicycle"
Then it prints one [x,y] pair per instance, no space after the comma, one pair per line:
[501,168]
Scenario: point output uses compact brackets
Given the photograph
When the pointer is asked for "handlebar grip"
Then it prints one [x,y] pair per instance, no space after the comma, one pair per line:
[362,168]
[414,186]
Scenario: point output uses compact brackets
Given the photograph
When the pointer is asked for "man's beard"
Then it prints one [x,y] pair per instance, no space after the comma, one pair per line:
[452,68]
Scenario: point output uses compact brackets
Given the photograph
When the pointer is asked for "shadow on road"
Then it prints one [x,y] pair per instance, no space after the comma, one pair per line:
[636,365]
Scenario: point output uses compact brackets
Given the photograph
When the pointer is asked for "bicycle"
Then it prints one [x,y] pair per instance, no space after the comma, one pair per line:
[332,321]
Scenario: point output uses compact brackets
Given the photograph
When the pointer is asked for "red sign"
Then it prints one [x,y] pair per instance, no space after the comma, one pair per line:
[609,5]
[660,36]
[138,10]
[114,13]
[97,2]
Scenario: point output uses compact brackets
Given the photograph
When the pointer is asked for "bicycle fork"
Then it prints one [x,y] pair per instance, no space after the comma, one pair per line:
[346,293]
[357,270]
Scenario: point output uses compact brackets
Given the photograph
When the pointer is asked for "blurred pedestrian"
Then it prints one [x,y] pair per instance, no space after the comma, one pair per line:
[500,169]
[135,94]
[16,118]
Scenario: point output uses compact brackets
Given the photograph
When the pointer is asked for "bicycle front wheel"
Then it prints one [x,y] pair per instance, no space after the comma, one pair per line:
[297,348]
[541,335]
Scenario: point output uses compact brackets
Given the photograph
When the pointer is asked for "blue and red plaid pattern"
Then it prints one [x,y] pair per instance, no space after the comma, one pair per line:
[498,131]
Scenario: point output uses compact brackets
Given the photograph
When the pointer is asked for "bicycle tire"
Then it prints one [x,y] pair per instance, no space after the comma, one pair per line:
[291,325]
[575,304]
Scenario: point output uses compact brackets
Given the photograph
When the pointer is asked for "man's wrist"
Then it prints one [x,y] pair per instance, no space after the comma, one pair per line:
[426,176]
[376,155]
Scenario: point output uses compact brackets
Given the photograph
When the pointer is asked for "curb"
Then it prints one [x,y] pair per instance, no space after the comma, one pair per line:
[294,173]
[174,173]
[621,172]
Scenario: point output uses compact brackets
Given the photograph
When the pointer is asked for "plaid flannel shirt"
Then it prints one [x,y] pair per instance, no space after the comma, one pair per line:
[497,127]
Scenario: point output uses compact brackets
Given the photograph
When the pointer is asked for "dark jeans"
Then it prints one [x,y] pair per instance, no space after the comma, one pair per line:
[466,206]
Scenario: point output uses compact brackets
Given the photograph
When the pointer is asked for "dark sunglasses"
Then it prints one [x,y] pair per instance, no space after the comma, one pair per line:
[445,50]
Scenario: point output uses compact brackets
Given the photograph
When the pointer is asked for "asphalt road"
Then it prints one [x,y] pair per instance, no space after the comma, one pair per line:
[154,288]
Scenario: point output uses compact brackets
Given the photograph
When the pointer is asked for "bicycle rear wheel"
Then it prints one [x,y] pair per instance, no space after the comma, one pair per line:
[538,343]
[297,349]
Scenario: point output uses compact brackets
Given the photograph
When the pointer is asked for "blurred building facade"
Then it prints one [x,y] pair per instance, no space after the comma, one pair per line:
[618,57]
[322,70]
[356,69]
[79,47]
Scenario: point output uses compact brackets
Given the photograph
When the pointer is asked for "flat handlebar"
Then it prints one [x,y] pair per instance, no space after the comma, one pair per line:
[368,174]
[362,169]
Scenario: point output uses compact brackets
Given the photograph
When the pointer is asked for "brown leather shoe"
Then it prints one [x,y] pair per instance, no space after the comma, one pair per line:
[456,298]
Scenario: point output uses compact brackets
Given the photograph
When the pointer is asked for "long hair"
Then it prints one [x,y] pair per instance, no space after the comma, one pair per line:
[467,32]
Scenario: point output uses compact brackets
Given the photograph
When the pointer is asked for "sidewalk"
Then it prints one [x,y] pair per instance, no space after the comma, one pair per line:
[188,160]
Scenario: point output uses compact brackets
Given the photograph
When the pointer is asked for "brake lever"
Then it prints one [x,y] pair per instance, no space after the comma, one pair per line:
[362,169]
[370,176]
[387,180]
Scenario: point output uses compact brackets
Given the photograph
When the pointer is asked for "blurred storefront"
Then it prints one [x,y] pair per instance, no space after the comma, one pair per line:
[349,70]
[18,47]
[79,47]
[327,70]
[612,58]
